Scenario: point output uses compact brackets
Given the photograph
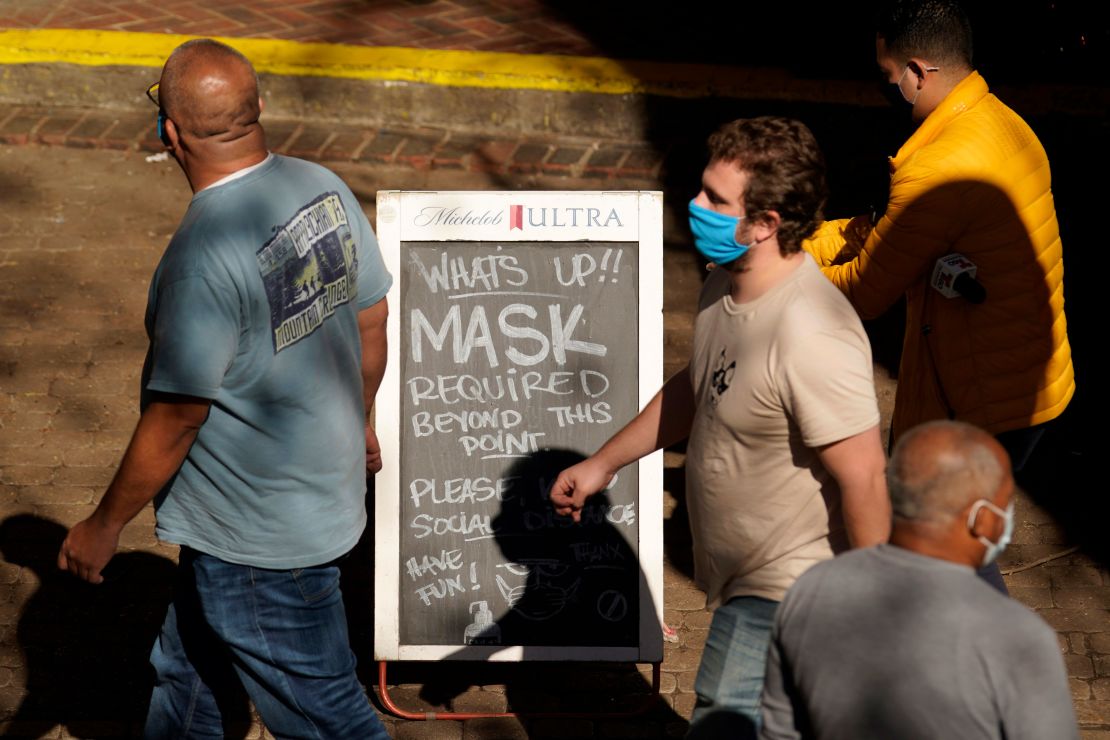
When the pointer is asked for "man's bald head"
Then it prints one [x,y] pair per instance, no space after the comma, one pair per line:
[938,468]
[210,90]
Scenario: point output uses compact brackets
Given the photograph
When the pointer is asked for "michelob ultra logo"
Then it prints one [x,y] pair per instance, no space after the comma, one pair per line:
[455,216]
[569,216]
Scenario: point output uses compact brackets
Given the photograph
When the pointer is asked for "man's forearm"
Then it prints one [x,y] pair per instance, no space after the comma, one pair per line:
[372,335]
[857,463]
[372,374]
[866,508]
[166,430]
[665,420]
[161,440]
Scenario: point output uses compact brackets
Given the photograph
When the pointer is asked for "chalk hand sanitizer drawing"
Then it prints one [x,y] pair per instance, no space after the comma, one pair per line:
[482,631]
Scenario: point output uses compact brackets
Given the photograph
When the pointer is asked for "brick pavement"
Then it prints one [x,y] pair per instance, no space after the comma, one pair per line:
[1065,39]
[525,26]
[81,231]
[657,32]
[419,148]
[82,221]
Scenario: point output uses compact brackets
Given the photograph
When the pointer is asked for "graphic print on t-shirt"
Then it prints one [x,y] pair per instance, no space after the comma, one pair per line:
[308,268]
[721,378]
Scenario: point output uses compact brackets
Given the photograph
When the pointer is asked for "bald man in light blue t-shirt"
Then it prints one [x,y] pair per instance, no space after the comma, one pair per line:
[266,318]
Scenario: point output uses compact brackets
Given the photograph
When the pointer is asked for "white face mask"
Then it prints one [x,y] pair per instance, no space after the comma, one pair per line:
[898,84]
[994,549]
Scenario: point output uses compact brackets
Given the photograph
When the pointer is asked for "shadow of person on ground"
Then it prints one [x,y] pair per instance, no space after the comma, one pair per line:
[563,586]
[1060,477]
[356,580]
[86,648]
[678,543]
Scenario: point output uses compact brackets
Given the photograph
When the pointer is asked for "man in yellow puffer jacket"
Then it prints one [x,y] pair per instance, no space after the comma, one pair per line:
[973,179]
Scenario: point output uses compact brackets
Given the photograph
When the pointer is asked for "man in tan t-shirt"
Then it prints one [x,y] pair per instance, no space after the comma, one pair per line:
[784,464]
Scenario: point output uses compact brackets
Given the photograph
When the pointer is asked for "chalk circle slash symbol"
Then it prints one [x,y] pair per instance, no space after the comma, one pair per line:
[612,605]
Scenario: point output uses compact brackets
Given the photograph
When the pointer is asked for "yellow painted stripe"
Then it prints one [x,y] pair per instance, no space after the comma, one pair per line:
[386,63]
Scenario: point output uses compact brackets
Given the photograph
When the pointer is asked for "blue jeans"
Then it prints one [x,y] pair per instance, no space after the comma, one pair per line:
[730,677]
[281,634]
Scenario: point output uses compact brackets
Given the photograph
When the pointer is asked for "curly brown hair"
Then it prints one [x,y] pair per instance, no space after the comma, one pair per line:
[786,173]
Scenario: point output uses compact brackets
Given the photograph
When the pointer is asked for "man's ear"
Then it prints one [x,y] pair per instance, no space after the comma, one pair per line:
[918,68]
[261,105]
[173,137]
[987,524]
[766,226]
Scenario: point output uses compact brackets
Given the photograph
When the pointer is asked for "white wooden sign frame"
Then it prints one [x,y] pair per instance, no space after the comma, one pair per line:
[471,216]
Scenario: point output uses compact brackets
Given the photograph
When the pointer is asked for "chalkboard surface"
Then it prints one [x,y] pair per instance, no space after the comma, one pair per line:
[510,360]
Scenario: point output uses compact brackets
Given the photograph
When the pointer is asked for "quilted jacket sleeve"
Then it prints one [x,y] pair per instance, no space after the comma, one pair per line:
[838,241]
[916,229]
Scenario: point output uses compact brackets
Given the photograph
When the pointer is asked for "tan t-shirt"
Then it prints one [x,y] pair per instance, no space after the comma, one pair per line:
[773,379]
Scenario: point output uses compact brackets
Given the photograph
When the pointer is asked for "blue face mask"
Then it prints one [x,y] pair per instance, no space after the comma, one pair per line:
[715,235]
[994,549]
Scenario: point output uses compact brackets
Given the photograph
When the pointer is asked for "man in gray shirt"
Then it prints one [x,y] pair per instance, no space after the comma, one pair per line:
[903,640]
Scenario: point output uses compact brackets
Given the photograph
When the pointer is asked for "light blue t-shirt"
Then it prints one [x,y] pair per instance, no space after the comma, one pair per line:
[255,306]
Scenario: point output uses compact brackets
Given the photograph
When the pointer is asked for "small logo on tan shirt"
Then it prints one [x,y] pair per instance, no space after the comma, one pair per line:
[721,378]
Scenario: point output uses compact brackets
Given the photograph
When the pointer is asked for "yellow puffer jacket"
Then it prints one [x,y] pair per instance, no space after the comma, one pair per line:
[972,179]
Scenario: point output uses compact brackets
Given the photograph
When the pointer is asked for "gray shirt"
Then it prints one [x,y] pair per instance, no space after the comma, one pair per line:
[887,643]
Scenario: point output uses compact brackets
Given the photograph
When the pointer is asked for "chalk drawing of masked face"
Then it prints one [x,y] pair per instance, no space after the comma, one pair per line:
[541,596]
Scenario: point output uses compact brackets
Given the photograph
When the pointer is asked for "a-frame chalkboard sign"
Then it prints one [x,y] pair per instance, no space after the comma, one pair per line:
[525,328]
